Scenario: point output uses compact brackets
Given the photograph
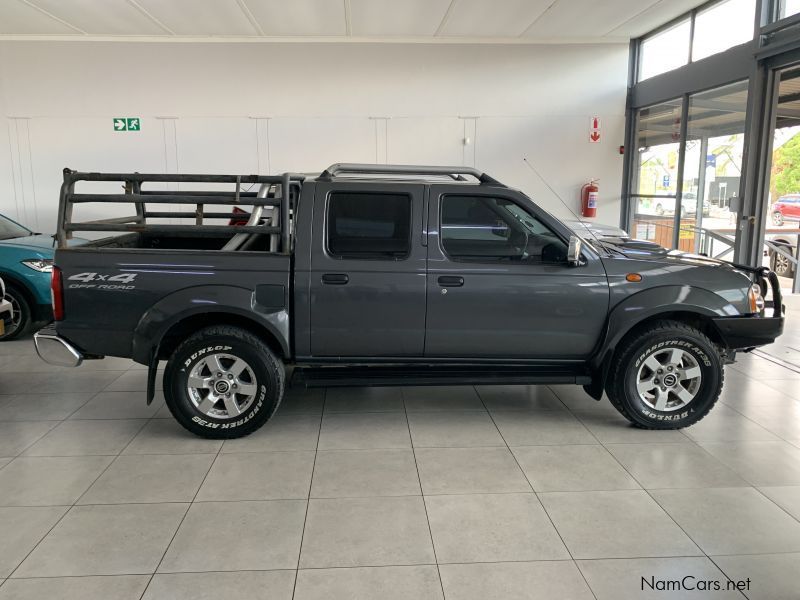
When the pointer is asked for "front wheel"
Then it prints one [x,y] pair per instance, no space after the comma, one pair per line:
[223,382]
[668,376]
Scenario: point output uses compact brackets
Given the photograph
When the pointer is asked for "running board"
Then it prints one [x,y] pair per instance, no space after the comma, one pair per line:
[381,375]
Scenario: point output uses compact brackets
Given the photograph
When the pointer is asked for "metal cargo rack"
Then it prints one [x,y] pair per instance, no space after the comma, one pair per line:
[277,191]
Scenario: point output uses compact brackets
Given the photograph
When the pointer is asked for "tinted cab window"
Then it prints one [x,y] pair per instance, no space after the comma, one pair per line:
[369,225]
[486,228]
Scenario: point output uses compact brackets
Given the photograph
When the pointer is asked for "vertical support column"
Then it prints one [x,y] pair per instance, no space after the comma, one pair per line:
[381,126]
[701,192]
[469,142]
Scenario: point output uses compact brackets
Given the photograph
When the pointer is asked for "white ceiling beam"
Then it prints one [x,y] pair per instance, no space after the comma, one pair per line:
[253,21]
[637,14]
[147,14]
[52,16]
[536,20]
[445,17]
[348,19]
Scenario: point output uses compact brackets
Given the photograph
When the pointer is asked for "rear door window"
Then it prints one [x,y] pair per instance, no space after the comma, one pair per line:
[367,225]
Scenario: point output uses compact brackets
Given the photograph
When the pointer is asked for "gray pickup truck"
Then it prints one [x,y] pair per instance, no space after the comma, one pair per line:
[386,275]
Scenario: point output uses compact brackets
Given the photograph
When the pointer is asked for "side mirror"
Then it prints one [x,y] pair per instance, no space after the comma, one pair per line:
[574,251]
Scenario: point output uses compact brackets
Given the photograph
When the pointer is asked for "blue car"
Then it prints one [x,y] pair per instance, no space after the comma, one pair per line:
[26,261]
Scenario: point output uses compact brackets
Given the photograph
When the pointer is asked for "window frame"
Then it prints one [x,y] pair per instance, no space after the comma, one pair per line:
[529,209]
[327,223]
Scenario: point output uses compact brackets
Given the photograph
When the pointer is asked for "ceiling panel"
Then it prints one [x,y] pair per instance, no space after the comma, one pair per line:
[112,17]
[299,17]
[391,17]
[200,17]
[585,18]
[492,18]
[654,16]
[19,18]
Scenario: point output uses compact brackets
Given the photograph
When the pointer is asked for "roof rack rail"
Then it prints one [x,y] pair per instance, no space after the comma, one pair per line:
[373,169]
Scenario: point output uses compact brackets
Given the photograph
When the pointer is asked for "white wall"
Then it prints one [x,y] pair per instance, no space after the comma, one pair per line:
[267,107]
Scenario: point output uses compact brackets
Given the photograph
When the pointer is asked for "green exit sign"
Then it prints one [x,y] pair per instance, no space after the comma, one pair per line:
[127,124]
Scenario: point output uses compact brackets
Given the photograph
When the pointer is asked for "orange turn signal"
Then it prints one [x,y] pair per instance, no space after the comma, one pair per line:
[633,277]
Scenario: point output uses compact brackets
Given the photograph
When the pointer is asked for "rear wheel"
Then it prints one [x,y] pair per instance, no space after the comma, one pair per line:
[668,376]
[20,321]
[223,382]
[781,264]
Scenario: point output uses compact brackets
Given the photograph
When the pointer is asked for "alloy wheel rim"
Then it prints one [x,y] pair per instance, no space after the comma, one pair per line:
[222,386]
[669,379]
[781,264]
[16,315]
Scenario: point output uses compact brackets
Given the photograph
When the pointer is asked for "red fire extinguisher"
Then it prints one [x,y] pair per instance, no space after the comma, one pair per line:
[589,194]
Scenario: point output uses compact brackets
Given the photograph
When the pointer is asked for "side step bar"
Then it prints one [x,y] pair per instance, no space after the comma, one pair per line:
[363,375]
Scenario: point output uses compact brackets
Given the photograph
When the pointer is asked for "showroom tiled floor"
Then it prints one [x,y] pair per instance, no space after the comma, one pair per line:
[419,493]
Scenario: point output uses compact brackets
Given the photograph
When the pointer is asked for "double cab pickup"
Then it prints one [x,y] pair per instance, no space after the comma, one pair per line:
[384,275]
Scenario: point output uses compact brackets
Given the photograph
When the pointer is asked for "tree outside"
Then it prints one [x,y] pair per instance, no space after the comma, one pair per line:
[786,168]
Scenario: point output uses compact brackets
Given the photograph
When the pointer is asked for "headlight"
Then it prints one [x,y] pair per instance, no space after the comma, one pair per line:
[755,298]
[39,264]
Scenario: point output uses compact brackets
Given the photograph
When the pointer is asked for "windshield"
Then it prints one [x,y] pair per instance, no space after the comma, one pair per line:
[10,230]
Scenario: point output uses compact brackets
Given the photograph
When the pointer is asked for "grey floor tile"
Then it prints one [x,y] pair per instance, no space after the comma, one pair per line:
[544,580]
[731,520]
[674,466]
[41,407]
[237,536]
[131,381]
[22,529]
[369,583]
[611,525]
[259,476]
[49,481]
[300,400]
[355,473]
[72,381]
[787,497]
[576,399]
[789,387]
[15,437]
[423,398]
[167,436]
[469,471]
[363,399]
[105,540]
[760,463]
[519,397]
[117,405]
[247,585]
[724,424]
[155,478]
[282,432]
[117,587]
[453,429]
[572,468]
[82,438]
[772,576]
[31,363]
[492,528]
[359,431]
[541,428]
[625,579]
[4,462]
[766,370]
[615,429]
[350,532]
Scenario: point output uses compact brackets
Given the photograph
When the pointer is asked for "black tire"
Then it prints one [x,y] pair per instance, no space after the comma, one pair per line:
[264,367]
[622,385]
[21,319]
[782,267]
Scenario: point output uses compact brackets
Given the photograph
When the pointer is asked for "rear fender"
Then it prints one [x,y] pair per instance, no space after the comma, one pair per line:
[189,302]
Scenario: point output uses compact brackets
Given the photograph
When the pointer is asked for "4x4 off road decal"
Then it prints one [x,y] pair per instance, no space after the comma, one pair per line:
[123,281]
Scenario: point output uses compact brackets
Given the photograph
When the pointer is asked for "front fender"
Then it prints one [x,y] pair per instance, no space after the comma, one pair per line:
[213,299]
